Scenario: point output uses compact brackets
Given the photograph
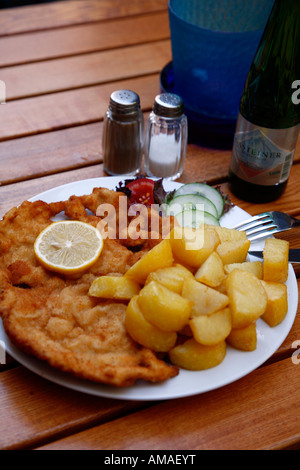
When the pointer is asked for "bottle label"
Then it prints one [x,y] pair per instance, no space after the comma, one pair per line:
[258,160]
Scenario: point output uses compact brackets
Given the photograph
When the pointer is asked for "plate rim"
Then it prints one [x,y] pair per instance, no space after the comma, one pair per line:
[44,370]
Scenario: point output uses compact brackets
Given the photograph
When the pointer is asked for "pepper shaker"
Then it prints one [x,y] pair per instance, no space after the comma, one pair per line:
[123,134]
[166,138]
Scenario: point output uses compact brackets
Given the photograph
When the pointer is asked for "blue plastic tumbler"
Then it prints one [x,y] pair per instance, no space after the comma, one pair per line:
[213,45]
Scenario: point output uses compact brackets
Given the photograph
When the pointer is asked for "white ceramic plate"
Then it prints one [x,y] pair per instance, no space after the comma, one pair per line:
[236,365]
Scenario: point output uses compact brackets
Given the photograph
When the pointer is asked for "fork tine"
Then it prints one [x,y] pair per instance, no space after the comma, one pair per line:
[253,221]
[261,228]
[260,223]
[262,234]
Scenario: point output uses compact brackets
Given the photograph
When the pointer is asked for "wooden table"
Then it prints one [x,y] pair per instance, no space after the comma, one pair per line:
[60,62]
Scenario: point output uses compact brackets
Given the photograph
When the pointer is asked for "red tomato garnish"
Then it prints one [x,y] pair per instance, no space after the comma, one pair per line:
[141,191]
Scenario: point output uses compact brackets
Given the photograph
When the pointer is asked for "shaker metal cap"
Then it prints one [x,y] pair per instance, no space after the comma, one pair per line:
[124,101]
[168,105]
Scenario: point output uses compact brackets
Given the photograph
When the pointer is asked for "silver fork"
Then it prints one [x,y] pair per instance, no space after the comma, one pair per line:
[267,223]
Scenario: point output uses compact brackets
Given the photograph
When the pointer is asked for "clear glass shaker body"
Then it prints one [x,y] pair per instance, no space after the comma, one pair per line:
[165,140]
[123,134]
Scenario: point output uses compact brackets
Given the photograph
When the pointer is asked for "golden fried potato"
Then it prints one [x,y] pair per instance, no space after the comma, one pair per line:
[255,267]
[164,308]
[172,277]
[211,273]
[211,329]
[144,333]
[277,306]
[229,234]
[194,356]
[234,251]
[158,257]
[276,260]
[205,299]
[193,246]
[247,298]
[114,287]
[244,339]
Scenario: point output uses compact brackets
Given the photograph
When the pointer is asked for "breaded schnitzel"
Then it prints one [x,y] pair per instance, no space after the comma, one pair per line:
[53,318]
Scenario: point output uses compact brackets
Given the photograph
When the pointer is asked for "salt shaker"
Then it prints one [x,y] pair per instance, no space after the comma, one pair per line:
[123,134]
[166,138]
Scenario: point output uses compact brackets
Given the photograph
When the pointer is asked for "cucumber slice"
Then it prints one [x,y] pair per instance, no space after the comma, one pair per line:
[194,218]
[191,201]
[204,190]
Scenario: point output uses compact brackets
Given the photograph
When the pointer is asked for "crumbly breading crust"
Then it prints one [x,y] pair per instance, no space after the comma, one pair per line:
[53,317]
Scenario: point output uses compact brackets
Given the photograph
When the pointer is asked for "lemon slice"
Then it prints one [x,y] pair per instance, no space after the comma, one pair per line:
[68,246]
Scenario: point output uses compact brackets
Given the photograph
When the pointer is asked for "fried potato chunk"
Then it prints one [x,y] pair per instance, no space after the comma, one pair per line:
[277,306]
[244,339]
[164,308]
[194,356]
[205,299]
[233,251]
[211,272]
[276,260]
[172,277]
[211,329]
[144,333]
[114,287]
[255,267]
[247,298]
[193,246]
[158,257]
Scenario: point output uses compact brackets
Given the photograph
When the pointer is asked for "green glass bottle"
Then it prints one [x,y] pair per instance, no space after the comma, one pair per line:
[269,119]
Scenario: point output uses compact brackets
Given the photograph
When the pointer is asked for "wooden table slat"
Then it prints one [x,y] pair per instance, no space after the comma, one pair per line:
[252,413]
[99,67]
[72,41]
[56,15]
[60,62]
[69,108]
[36,410]
[53,161]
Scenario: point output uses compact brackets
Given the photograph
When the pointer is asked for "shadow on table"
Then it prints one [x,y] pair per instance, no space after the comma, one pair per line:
[22,3]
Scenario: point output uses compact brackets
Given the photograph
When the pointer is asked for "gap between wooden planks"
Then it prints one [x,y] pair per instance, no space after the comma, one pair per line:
[27,402]
[69,13]
[34,410]
[82,39]
[69,108]
[54,76]
[75,147]
[257,412]
[13,194]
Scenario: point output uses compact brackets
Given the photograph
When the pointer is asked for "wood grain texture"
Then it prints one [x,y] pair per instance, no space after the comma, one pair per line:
[81,39]
[71,148]
[69,13]
[252,413]
[60,62]
[13,195]
[99,67]
[52,152]
[69,108]
[34,410]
